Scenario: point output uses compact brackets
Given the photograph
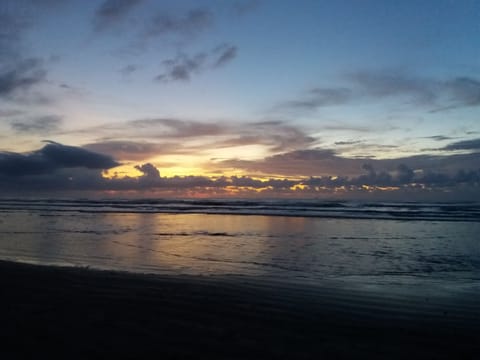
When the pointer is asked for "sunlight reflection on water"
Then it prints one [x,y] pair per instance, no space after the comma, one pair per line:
[272,246]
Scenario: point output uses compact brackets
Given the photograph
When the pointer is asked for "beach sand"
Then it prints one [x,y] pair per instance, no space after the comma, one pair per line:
[79,313]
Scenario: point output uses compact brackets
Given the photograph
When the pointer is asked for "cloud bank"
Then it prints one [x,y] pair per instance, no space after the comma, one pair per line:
[58,167]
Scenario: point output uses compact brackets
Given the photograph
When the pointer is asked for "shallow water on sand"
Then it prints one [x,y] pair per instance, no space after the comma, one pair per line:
[282,248]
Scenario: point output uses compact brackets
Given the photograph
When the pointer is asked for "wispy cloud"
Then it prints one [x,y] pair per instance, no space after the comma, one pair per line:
[438,137]
[146,138]
[41,125]
[183,66]
[391,83]
[224,54]
[319,97]
[189,24]
[432,94]
[127,150]
[177,128]
[128,70]
[112,12]
[463,92]
[243,7]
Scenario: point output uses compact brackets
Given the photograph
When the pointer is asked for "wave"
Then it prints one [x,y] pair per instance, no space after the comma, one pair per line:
[302,208]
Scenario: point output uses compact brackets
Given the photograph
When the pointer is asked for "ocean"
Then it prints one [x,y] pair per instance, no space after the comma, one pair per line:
[282,240]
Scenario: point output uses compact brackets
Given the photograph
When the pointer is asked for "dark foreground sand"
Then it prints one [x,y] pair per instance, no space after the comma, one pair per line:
[75,313]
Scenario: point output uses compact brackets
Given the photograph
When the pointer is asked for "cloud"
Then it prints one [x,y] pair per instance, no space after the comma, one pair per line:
[177,128]
[111,12]
[19,73]
[464,92]
[153,129]
[129,150]
[128,69]
[52,157]
[184,66]
[20,76]
[438,137]
[391,83]
[225,53]
[343,143]
[40,125]
[243,7]
[59,167]
[448,94]
[191,23]
[277,136]
[14,22]
[326,162]
[149,171]
[313,162]
[10,112]
[433,94]
[177,136]
[463,145]
[319,97]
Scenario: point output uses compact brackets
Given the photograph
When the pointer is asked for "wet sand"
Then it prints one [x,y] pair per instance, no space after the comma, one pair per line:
[79,313]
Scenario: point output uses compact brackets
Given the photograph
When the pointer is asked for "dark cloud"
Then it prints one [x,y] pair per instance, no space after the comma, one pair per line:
[40,125]
[52,157]
[463,145]
[343,143]
[353,128]
[111,12]
[184,66]
[188,24]
[149,171]
[20,76]
[225,53]
[438,137]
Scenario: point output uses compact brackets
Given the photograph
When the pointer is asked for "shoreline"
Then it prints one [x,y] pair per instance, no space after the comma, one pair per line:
[78,313]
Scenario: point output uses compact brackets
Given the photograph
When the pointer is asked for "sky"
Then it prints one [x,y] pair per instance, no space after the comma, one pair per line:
[315,99]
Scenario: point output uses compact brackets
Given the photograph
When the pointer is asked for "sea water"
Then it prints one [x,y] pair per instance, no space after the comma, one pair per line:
[299,241]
